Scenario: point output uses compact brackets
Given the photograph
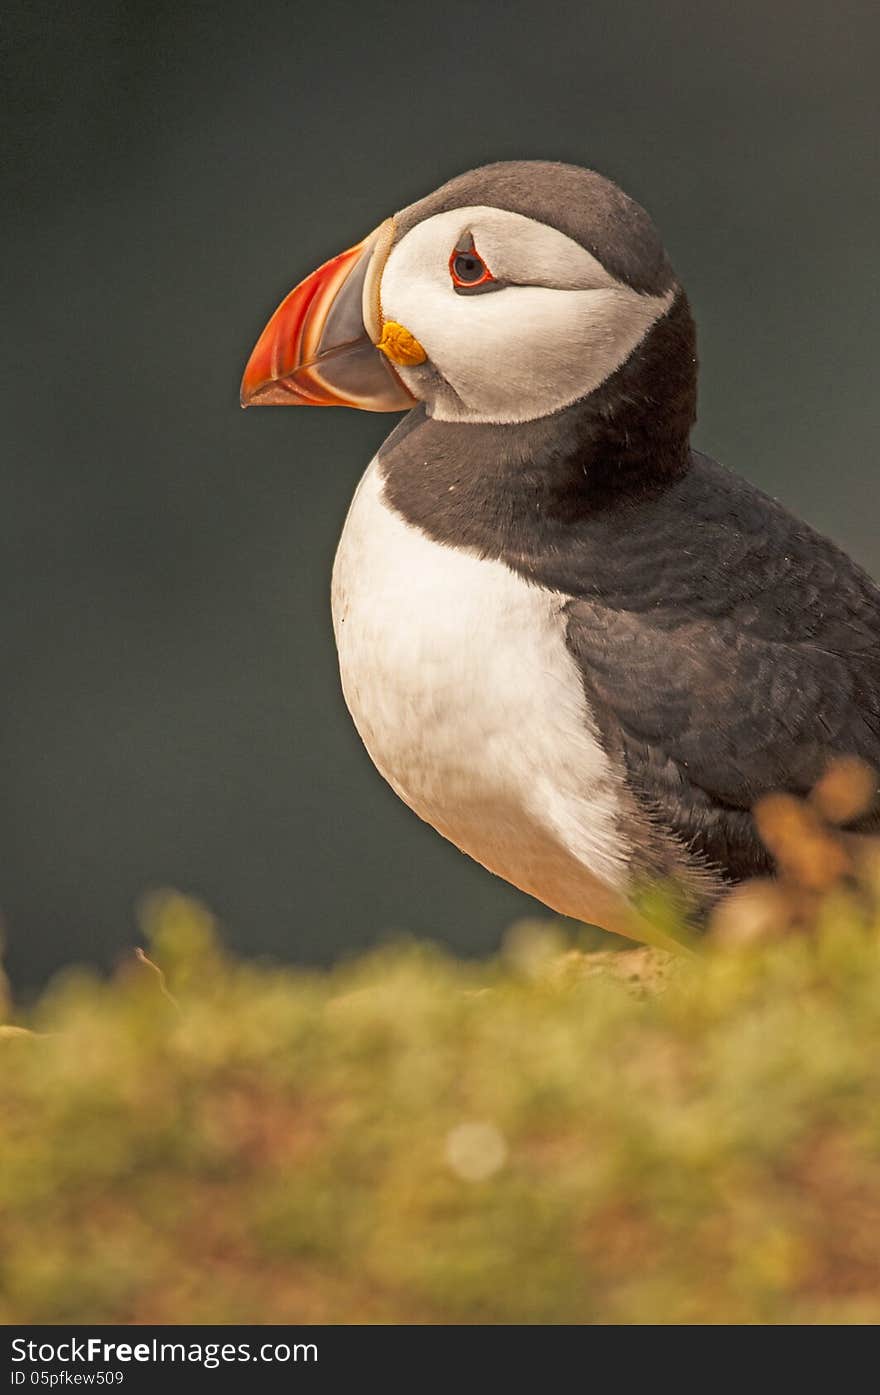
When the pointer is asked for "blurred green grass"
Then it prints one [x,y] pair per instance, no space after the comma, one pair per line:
[546,1137]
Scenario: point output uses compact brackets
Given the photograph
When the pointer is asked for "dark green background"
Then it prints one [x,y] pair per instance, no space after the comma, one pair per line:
[171,711]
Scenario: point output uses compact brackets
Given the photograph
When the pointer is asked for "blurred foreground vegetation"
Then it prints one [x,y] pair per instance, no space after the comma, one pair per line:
[550,1136]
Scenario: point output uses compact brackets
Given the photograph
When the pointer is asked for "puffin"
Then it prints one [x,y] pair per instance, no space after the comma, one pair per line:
[579,648]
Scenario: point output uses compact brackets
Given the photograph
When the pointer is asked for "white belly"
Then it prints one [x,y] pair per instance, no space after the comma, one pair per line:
[457,676]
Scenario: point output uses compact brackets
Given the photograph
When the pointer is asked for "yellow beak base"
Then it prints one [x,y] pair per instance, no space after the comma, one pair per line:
[400,346]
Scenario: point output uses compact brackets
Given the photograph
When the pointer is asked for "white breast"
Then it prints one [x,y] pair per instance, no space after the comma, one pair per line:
[457,676]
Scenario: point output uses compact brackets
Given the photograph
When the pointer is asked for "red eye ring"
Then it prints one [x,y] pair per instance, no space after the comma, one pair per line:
[467,268]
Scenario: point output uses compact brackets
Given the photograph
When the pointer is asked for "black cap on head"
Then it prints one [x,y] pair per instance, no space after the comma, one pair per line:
[584,205]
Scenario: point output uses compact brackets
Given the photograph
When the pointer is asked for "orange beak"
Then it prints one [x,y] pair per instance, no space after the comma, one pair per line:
[320,347]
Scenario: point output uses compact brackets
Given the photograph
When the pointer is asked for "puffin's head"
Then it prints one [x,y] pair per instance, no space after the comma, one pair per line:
[511,292]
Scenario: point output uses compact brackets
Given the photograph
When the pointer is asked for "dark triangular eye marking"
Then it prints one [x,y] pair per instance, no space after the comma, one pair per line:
[469,272]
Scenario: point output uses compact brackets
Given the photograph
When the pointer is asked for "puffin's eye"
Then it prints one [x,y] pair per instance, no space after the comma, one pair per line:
[466,267]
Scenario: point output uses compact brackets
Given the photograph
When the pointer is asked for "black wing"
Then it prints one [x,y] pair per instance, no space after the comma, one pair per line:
[729,651]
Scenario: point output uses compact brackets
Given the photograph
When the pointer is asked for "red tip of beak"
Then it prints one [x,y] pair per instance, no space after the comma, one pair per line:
[277,370]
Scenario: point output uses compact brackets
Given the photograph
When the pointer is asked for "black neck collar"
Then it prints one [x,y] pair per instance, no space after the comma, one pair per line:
[497,488]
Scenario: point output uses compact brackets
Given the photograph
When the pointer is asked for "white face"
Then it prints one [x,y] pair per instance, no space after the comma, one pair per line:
[552,326]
